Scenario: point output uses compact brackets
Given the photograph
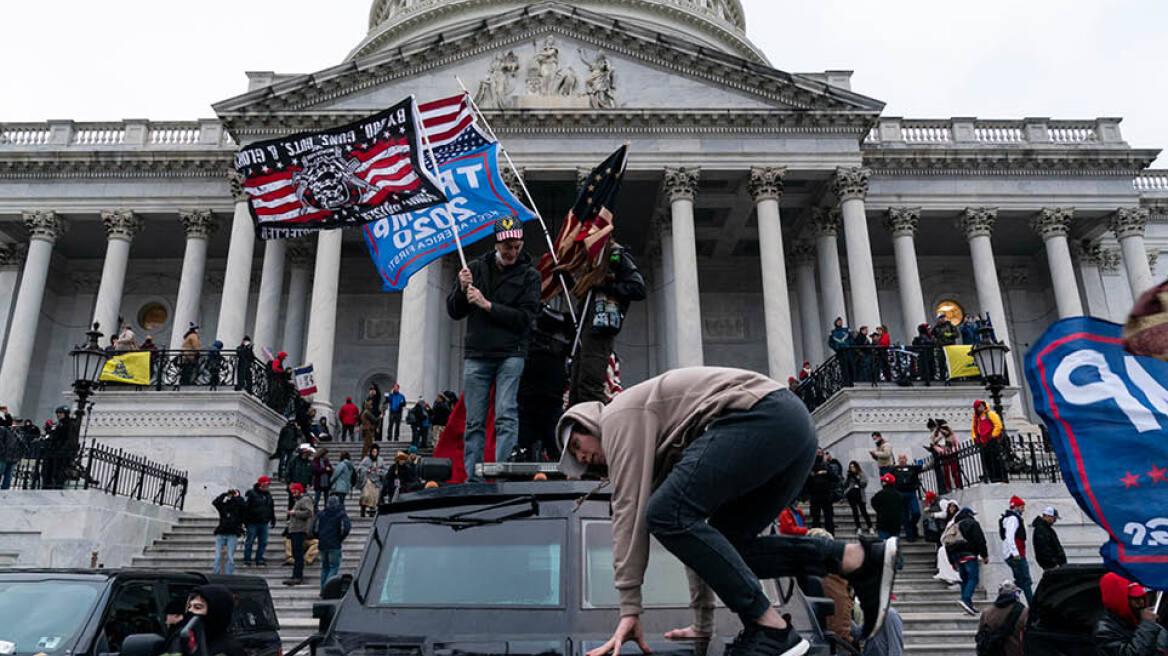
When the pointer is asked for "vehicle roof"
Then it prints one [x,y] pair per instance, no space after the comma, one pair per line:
[83,574]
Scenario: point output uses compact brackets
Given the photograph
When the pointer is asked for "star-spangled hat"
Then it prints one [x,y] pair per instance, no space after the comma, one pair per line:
[508,227]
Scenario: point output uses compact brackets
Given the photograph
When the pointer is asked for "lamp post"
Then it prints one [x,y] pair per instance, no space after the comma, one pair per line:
[990,357]
[88,361]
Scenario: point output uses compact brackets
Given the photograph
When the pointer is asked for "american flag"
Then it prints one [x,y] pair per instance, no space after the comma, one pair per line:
[450,126]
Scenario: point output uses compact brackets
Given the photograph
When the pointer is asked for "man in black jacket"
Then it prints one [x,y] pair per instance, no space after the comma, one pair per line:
[11,451]
[259,515]
[498,295]
[1048,549]
[820,487]
[231,509]
[967,545]
[286,444]
[1127,626]
[908,483]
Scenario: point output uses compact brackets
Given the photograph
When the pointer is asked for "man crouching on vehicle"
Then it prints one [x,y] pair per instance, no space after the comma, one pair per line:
[732,447]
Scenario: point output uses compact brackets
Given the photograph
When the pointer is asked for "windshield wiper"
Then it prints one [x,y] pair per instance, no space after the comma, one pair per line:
[465,519]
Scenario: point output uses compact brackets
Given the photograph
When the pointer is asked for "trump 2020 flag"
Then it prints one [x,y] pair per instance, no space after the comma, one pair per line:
[1107,413]
[346,176]
[468,170]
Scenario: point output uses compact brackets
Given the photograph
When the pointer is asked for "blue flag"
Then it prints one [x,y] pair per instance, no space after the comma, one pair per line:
[402,244]
[1107,413]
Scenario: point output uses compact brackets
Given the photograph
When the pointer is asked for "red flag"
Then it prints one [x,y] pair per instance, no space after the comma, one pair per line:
[450,445]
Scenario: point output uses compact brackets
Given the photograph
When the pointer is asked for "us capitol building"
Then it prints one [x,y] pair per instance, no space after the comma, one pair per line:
[759,203]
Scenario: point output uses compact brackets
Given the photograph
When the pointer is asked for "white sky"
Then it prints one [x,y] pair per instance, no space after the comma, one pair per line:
[161,60]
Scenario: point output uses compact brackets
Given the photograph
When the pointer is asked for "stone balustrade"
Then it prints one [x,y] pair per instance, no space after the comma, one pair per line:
[975,132]
[128,133]
[1152,180]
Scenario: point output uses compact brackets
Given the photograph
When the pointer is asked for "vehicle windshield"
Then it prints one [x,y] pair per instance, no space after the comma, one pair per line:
[513,564]
[665,583]
[44,616]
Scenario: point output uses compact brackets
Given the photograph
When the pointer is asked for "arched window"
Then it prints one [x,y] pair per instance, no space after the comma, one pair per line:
[952,311]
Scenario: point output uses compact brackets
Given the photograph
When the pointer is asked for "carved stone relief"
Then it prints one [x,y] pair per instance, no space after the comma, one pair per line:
[549,82]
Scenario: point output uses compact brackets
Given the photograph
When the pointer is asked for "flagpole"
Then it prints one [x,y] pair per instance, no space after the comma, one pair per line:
[523,185]
[438,175]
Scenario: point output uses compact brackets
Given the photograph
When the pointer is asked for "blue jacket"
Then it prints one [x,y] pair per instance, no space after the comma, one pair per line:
[331,525]
[839,338]
[397,401]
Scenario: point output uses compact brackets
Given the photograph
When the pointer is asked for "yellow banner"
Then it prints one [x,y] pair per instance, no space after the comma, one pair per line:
[131,368]
[961,364]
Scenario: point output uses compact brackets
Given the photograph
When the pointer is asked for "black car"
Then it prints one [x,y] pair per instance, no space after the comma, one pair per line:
[90,612]
[511,568]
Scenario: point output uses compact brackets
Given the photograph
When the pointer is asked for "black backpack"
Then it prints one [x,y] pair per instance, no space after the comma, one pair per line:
[993,642]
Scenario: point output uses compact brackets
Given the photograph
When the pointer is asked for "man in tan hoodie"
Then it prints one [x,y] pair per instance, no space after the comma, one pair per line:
[704,459]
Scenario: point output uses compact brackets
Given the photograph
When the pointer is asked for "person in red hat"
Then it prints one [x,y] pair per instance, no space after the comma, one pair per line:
[259,513]
[1127,626]
[1012,531]
[349,415]
[299,519]
[987,433]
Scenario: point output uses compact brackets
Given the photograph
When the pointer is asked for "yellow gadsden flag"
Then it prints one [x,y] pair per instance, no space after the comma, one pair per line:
[130,368]
[961,364]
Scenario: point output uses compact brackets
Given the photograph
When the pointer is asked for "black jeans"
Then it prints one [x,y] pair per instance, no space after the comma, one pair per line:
[739,474]
[394,427]
[821,506]
[859,506]
[297,554]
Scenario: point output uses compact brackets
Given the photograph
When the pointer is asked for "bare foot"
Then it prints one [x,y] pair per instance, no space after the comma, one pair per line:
[688,633]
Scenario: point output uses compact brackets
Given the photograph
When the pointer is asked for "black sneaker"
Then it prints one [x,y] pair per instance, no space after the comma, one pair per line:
[873,582]
[968,608]
[758,640]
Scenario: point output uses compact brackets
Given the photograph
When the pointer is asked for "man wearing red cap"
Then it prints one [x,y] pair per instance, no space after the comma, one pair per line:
[1012,531]
[348,415]
[1127,626]
[259,513]
[889,509]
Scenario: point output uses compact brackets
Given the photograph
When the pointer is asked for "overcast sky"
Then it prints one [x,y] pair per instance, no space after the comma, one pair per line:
[117,59]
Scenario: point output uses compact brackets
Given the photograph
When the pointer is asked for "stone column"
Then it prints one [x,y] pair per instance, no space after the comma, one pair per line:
[831,283]
[902,223]
[977,223]
[1053,224]
[44,228]
[766,188]
[1090,258]
[668,294]
[414,359]
[300,263]
[11,258]
[237,278]
[198,226]
[851,186]
[1128,224]
[271,291]
[812,326]
[681,185]
[120,228]
[322,317]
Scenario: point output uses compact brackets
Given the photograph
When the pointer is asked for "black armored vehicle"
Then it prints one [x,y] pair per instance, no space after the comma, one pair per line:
[512,568]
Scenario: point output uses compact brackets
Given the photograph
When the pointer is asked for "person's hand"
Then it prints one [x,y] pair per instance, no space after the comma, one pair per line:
[628,629]
[476,298]
[688,633]
[465,278]
[986,560]
[1149,615]
[290,512]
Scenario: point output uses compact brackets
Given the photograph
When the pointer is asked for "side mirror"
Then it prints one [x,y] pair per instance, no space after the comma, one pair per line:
[325,611]
[336,587]
[143,644]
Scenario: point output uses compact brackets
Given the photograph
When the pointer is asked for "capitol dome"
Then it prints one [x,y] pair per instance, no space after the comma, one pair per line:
[717,24]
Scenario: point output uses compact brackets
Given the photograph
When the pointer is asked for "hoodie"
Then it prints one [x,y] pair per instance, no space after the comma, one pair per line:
[217,621]
[985,427]
[1119,632]
[643,432]
[332,525]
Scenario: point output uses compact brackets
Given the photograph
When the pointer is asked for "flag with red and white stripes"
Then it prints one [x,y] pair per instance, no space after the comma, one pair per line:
[345,176]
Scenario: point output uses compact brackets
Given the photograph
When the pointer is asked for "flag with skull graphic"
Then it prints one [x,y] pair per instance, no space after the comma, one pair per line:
[346,176]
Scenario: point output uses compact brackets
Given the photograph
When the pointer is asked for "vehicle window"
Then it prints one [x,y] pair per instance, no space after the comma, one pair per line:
[254,611]
[45,616]
[512,564]
[134,609]
[665,582]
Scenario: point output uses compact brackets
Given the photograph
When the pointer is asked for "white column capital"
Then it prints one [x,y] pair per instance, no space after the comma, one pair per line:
[1052,222]
[1129,222]
[826,221]
[902,221]
[977,221]
[121,224]
[44,225]
[12,255]
[682,183]
[803,253]
[235,181]
[582,176]
[198,224]
[851,182]
[766,182]
[511,180]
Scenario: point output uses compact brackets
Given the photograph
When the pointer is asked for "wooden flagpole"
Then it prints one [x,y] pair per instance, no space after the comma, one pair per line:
[438,176]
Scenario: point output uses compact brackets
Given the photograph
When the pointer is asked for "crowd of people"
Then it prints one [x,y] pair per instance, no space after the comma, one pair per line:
[51,451]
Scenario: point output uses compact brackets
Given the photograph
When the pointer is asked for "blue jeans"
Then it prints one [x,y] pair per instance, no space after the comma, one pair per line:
[730,483]
[970,570]
[228,542]
[255,532]
[7,469]
[1021,570]
[910,514]
[478,374]
[330,565]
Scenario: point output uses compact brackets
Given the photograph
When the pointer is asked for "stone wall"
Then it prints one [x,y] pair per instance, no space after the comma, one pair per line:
[63,528]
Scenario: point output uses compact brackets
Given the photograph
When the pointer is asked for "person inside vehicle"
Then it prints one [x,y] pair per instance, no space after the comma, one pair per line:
[1127,626]
[732,447]
[215,604]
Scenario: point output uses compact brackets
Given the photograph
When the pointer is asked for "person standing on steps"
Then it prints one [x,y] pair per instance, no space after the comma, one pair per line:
[999,630]
[368,427]
[299,520]
[371,477]
[300,469]
[349,416]
[854,485]
[1012,531]
[965,542]
[908,483]
[286,443]
[260,513]
[1048,549]
[331,527]
[397,404]
[231,511]
[882,454]
[343,478]
[820,488]
[322,477]
[889,510]
[945,570]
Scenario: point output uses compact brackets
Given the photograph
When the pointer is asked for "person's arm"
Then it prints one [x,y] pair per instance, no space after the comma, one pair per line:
[997,422]
[303,508]
[630,467]
[456,304]
[1010,524]
[629,284]
[346,526]
[220,501]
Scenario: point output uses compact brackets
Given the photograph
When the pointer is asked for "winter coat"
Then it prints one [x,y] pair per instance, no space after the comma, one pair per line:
[11,445]
[945,333]
[300,471]
[321,473]
[332,525]
[791,522]
[624,284]
[839,338]
[342,478]
[1048,549]
[440,412]
[301,519]
[126,341]
[908,478]
[191,347]
[418,417]
[855,481]
[349,414]
[370,469]
[261,509]
[821,485]
[991,430]
[397,401]
[1119,632]
[505,331]
[884,455]
[289,438]
[231,512]
[996,615]
[889,510]
[973,544]
[368,421]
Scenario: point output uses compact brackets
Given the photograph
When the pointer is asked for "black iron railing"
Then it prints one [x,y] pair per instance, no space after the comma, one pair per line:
[873,365]
[43,465]
[1022,457]
[178,369]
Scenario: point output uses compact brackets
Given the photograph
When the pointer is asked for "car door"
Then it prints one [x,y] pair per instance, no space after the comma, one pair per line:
[133,608]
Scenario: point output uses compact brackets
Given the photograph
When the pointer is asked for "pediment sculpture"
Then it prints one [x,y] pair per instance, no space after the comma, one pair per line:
[548,84]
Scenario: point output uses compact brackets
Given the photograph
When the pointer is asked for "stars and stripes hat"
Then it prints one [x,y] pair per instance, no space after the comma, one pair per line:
[508,227]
